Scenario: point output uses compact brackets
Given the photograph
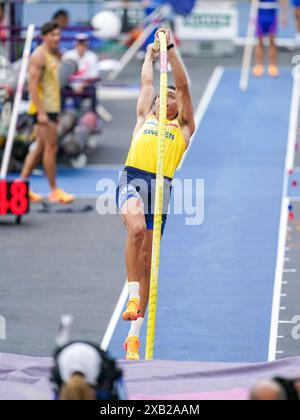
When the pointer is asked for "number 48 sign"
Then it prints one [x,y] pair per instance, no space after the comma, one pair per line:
[14,198]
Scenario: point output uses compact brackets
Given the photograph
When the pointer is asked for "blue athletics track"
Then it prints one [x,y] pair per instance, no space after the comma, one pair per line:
[217,279]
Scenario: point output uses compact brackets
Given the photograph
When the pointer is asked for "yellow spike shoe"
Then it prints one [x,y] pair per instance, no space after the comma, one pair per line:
[132,310]
[132,346]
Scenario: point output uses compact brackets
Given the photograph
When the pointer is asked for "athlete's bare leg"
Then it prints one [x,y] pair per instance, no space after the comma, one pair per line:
[134,219]
[259,52]
[48,134]
[145,264]
[32,159]
[258,70]
[273,51]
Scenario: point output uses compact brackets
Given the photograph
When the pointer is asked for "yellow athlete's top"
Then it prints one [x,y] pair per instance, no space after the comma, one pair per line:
[143,151]
[49,86]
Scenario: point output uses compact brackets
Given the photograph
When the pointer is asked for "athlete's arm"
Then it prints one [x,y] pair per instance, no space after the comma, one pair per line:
[183,95]
[36,67]
[146,96]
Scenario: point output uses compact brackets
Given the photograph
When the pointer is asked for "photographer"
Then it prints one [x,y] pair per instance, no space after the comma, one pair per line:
[277,389]
[83,372]
[268,391]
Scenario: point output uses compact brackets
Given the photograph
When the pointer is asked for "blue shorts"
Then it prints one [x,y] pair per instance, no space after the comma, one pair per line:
[267,23]
[135,183]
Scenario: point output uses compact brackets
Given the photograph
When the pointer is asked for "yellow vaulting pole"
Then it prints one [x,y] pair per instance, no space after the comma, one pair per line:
[158,196]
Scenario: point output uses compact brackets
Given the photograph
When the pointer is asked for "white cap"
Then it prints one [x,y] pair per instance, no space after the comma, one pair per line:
[82,37]
[80,358]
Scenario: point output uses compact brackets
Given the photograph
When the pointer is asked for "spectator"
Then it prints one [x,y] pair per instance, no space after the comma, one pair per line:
[62,18]
[83,372]
[268,391]
[83,82]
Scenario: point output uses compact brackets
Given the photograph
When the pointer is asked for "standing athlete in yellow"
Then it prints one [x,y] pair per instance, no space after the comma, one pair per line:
[136,191]
[44,88]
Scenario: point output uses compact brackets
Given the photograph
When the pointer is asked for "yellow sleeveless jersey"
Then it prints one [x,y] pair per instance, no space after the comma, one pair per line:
[49,86]
[143,151]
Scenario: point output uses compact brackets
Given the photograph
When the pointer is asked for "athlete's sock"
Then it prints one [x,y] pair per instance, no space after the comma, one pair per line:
[136,327]
[134,290]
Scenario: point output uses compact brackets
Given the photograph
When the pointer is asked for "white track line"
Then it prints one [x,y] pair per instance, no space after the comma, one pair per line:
[114,319]
[204,104]
[201,111]
[289,163]
[278,280]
